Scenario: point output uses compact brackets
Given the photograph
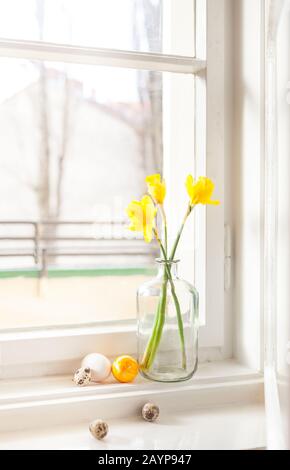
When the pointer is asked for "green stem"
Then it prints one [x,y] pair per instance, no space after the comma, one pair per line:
[178,310]
[165,226]
[189,209]
[180,323]
[150,343]
[155,339]
[159,326]
[165,238]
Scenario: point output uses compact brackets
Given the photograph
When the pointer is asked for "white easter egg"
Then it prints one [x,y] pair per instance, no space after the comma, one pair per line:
[100,366]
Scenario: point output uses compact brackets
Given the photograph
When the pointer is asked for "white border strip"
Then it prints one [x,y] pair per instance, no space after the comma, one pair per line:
[35,50]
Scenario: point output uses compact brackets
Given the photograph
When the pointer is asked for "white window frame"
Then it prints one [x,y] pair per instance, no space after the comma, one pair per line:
[51,351]
[210,151]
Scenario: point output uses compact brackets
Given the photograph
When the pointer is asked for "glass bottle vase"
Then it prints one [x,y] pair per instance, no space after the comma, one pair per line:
[167,331]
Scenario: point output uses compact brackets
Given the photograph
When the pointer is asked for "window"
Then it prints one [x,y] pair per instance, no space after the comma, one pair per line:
[75,149]
[128,25]
[82,123]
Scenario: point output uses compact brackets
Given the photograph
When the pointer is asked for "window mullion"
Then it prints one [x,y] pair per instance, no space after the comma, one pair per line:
[36,50]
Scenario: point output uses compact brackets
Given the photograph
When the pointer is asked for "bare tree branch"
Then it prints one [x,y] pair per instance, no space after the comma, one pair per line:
[64,142]
[150,89]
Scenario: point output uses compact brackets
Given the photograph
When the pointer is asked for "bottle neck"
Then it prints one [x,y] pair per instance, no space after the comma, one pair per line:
[171,266]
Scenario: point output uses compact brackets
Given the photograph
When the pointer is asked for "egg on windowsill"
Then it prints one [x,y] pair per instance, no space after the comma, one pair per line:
[125,369]
[99,429]
[150,412]
[99,365]
[82,376]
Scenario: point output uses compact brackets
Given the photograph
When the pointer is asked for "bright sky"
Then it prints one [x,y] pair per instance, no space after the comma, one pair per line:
[99,23]
[102,23]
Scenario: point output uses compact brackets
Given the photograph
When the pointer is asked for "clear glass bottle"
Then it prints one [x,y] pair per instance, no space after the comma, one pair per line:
[167,331]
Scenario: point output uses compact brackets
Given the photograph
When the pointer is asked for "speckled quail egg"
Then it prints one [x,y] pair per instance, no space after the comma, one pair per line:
[99,429]
[150,412]
[82,376]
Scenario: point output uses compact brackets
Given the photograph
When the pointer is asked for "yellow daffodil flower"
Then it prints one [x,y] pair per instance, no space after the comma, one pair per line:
[200,191]
[156,188]
[142,216]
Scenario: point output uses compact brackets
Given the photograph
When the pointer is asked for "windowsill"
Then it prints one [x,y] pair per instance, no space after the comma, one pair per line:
[54,401]
[220,407]
[56,387]
[52,412]
[229,427]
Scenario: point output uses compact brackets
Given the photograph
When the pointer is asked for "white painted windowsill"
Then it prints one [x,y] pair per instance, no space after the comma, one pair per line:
[220,408]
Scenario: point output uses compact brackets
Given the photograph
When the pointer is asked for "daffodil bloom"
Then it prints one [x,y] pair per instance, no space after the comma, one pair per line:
[142,216]
[156,188]
[200,191]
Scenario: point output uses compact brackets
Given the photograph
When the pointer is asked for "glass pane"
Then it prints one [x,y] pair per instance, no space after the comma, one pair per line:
[76,143]
[142,25]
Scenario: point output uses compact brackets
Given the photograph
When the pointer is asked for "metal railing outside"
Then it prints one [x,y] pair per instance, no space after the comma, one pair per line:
[44,241]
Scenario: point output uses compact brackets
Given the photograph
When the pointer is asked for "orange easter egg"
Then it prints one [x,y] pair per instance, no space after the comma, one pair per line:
[125,368]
